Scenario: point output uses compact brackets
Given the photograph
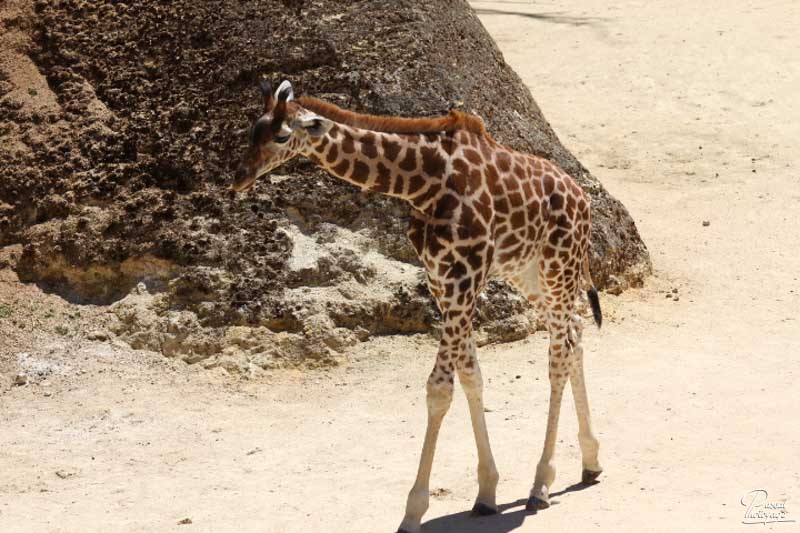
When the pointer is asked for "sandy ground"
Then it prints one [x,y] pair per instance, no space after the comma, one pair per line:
[687,114]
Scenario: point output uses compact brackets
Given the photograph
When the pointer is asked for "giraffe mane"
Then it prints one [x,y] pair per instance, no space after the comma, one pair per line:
[455,120]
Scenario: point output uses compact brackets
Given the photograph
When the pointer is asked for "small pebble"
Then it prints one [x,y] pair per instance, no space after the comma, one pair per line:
[64,474]
[185,521]
[20,379]
[674,291]
[97,335]
[706,223]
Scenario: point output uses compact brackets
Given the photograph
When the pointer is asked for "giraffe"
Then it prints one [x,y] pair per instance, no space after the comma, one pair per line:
[479,211]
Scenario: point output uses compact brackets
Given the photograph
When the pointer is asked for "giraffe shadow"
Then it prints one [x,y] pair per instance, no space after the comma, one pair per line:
[510,516]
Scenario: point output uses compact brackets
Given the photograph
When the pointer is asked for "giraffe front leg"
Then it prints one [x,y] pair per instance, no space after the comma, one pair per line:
[469,374]
[439,396]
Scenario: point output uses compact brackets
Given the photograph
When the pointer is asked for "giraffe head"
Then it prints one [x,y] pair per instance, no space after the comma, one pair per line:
[281,133]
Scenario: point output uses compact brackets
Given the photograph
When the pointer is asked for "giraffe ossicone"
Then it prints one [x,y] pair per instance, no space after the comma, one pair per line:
[480,210]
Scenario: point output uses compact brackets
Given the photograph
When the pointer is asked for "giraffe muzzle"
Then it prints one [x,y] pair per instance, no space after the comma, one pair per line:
[244,179]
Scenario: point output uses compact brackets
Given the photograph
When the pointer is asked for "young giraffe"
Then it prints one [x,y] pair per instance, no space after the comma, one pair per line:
[480,210]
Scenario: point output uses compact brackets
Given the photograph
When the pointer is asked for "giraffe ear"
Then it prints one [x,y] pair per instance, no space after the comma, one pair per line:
[265,86]
[284,92]
[315,125]
[266,95]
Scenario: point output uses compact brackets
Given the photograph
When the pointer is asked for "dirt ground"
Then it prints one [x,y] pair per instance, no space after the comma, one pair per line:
[688,114]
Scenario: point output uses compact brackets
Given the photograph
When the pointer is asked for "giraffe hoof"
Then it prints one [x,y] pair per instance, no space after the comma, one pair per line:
[588,477]
[481,509]
[535,504]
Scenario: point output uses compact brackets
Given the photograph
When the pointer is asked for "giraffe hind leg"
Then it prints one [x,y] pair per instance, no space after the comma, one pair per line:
[558,294]
[558,373]
[588,442]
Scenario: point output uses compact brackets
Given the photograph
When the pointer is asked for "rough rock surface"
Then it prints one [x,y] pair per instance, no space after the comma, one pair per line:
[117,124]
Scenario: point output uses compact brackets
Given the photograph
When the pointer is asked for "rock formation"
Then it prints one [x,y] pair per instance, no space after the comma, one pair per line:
[117,141]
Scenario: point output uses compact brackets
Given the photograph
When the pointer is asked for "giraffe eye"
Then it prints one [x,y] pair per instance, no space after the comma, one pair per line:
[281,140]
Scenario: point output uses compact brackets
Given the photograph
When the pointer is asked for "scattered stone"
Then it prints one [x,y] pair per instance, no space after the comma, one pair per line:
[97,335]
[441,492]
[675,291]
[185,521]
[361,334]
[37,369]
[65,474]
[614,285]
[706,223]
[20,379]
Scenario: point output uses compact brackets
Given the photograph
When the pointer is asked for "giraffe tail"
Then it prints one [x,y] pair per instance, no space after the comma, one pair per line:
[591,293]
[594,301]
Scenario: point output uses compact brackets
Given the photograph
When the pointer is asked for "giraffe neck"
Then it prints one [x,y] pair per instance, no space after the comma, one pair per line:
[407,166]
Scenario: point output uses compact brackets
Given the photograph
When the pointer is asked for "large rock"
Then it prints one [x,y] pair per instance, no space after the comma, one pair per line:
[117,123]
